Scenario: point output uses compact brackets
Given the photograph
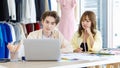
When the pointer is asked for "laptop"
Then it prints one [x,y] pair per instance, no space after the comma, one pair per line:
[42,49]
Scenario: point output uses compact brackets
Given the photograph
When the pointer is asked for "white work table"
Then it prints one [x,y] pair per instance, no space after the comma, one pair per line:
[64,64]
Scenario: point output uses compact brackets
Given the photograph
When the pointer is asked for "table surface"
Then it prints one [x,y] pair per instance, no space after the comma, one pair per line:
[63,63]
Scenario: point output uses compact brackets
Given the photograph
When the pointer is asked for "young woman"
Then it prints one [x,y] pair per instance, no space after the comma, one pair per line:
[87,38]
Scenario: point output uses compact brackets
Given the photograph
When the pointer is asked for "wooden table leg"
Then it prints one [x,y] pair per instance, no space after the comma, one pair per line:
[115,65]
[98,66]
[108,65]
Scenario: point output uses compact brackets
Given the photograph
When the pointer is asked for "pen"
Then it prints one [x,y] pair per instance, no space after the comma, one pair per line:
[65,59]
[69,59]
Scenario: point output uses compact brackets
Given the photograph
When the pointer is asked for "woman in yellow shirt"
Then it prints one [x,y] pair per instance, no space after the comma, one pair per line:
[87,38]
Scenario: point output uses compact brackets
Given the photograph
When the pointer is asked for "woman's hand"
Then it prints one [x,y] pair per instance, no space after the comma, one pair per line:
[91,36]
[78,50]
[88,31]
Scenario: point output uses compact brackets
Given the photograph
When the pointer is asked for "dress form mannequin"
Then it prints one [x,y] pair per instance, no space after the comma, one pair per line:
[67,21]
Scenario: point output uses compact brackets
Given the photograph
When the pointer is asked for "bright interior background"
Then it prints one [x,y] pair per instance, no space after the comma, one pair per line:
[108,14]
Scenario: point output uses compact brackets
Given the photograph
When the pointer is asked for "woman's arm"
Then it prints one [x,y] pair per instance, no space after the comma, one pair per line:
[76,43]
[97,42]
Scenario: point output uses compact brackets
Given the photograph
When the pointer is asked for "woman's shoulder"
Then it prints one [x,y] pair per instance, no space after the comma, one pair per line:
[76,33]
[98,32]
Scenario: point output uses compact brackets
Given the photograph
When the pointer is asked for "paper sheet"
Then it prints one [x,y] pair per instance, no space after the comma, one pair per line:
[80,56]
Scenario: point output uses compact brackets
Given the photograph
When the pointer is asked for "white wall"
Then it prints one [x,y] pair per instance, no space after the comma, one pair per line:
[114,23]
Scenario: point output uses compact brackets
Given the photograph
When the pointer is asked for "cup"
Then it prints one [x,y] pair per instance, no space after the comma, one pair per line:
[13,56]
[23,58]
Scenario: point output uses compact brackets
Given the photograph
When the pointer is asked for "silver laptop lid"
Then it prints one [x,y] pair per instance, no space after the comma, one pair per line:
[42,49]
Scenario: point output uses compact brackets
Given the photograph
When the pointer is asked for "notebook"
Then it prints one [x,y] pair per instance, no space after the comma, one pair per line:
[42,49]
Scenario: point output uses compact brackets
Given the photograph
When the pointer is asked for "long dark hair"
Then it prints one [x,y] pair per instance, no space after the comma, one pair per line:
[92,17]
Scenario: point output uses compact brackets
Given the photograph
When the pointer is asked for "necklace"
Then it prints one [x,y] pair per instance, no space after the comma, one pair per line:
[46,37]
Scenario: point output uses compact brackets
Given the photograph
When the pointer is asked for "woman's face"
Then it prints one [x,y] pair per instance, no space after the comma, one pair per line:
[48,24]
[86,23]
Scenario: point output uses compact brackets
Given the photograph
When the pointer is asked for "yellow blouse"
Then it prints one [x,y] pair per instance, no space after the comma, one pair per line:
[76,42]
